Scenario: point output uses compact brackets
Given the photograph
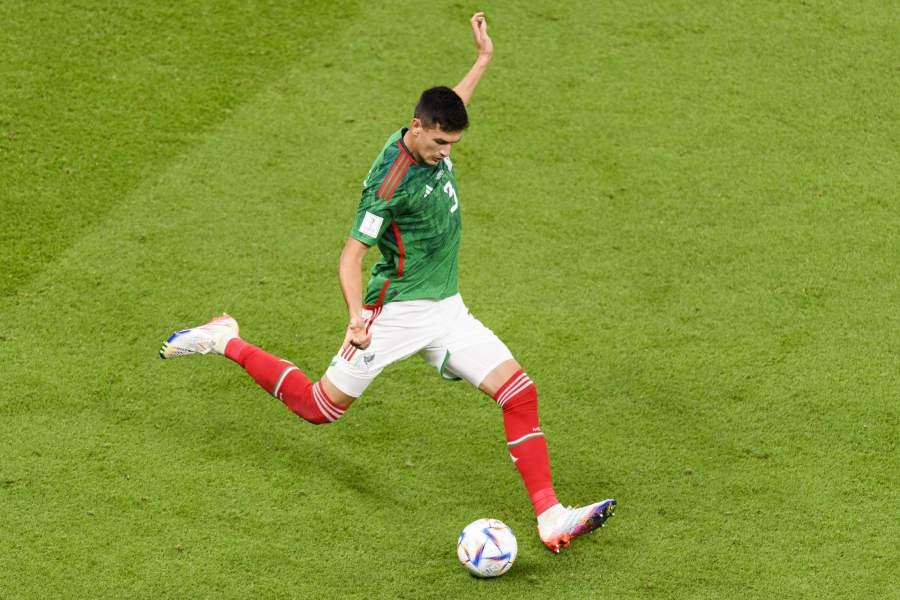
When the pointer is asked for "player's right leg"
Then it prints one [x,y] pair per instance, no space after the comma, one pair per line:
[318,403]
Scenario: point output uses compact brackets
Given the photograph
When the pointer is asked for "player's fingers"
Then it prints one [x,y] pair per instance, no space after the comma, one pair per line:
[362,342]
[352,332]
[480,29]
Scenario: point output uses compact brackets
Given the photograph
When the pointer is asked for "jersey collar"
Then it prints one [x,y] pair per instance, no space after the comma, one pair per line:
[405,149]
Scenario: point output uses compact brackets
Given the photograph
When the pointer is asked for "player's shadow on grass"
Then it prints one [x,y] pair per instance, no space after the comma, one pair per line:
[313,454]
[290,449]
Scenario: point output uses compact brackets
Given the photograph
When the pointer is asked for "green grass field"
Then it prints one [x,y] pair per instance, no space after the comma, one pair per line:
[682,217]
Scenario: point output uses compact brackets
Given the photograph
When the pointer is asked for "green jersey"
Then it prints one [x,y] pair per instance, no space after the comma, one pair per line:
[411,212]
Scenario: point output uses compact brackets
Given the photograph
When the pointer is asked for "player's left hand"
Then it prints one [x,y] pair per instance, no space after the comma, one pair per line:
[483,42]
[357,335]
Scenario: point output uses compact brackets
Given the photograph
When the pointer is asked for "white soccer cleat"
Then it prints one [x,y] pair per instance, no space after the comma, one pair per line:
[203,339]
[559,528]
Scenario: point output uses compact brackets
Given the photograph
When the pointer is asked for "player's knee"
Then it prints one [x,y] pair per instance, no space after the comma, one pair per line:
[312,404]
[517,394]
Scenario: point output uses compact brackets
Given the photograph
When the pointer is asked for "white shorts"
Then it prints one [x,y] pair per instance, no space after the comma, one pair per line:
[443,332]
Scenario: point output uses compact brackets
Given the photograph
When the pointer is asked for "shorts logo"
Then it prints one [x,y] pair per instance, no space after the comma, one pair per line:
[371,224]
[368,359]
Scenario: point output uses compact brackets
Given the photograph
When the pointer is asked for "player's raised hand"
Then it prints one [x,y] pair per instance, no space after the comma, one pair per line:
[483,42]
[357,335]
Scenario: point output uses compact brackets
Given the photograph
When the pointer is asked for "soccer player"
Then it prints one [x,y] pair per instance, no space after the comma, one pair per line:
[410,210]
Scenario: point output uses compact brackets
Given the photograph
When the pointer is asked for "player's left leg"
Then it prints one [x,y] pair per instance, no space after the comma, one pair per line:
[476,354]
[514,391]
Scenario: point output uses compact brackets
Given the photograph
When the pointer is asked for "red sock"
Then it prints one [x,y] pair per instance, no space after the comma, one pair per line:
[286,382]
[525,440]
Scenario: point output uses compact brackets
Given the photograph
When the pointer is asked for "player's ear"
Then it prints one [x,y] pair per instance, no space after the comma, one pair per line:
[415,125]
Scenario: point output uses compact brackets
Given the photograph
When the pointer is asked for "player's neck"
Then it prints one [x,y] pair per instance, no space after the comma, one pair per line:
[409,140]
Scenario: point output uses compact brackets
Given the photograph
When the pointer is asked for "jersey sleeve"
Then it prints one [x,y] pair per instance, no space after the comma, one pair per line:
[373,216]
[383,198]
[384,192]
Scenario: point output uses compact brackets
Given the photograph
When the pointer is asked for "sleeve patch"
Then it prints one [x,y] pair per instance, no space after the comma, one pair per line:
[371,224]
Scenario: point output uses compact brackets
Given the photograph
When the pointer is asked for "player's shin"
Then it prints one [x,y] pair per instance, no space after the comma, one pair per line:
[525,440]
[286,382]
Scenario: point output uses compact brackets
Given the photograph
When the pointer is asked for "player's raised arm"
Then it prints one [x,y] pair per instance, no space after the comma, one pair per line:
[485,49]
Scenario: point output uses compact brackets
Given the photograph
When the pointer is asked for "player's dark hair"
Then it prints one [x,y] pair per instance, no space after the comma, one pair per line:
[442,106]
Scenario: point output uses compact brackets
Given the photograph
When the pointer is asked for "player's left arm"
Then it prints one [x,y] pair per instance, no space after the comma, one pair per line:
[485,48]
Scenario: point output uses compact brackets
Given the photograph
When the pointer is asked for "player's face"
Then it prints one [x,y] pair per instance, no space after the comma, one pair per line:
[432,145]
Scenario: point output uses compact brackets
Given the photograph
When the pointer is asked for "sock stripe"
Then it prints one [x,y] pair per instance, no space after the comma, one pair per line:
[520,383]
[321,405]
[281,379]
[524,438]
[509,382]
[512,383]
[514,392]
[326,407]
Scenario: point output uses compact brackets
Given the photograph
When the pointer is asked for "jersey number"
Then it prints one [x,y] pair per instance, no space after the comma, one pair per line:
[450,191]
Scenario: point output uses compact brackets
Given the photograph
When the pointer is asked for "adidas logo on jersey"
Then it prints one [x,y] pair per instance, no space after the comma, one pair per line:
[428,190]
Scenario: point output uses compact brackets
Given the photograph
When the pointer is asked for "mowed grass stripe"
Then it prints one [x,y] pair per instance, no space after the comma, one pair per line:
[96,98]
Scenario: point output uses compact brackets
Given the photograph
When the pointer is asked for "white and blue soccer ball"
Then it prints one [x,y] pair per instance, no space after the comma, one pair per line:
[487,548]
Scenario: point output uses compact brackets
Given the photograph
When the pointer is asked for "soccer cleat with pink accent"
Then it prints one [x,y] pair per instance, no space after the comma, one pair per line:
[558,529]
[203,339]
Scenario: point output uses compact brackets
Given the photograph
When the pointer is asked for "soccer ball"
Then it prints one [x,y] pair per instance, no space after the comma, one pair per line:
[487,548]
